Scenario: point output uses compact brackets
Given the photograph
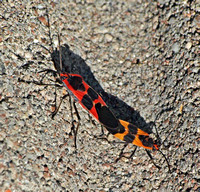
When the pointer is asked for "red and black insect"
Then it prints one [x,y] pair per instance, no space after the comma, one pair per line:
[90,100]
[94,104]
[136,136]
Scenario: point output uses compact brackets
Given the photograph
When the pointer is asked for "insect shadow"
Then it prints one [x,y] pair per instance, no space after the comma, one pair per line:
[73,63]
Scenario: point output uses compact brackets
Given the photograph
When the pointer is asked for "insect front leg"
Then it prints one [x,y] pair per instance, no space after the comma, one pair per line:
[74,129]
[57,108]
[149,154]
[79,119]
[122,154]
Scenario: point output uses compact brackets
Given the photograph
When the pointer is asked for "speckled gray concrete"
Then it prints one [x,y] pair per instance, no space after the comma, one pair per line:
[144,54]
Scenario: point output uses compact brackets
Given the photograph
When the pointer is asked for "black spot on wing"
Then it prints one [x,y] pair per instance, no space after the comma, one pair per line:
[129,138]
[81,87]
[118,129]
[107,118]
[132,129]
[92,94]
[87,102]
[146,140]
[76,83]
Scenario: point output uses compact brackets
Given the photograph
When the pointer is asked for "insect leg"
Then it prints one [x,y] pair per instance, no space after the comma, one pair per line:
[57,108]
[46,71]
[38,83]
[149,154]
[101,136]
[76,129]
[91,120]
[132,153]
[122,154]
[72,120]
[102,130]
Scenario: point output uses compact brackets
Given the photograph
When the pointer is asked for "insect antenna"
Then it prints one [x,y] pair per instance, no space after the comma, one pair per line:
[49,30]
[60,54]
[60,69]
[159,143]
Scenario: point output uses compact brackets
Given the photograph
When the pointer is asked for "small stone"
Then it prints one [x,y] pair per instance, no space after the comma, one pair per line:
[40,6]
[155,23]
[172,20]
[10,143]
[101,30]
[90,1]
[43,20]
[128,64]
[197,20]
[28,55]
[35,41]
[188,45]
[196,70]
[115,46]
[176,47]
[108,37]
[2,136]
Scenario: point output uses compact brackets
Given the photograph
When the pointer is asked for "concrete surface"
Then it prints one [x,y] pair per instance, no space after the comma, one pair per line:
[141,56]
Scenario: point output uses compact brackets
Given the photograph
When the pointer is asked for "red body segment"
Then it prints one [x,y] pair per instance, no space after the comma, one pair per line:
[80,91]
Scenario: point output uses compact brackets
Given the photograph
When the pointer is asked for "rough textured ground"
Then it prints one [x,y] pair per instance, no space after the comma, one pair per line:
[142,56]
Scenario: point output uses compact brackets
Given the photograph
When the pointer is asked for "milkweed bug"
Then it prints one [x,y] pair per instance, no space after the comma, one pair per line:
[92,102]
[139,138]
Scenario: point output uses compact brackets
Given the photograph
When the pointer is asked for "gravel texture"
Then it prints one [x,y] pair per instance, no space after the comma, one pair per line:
[143,58]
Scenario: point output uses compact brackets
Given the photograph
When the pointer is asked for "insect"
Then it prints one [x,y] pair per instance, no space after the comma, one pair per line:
[132,134]
[123,130]
[136,136]
[94,104]
[90,100]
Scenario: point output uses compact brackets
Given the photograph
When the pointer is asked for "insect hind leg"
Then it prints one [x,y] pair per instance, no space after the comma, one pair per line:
[103,136]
